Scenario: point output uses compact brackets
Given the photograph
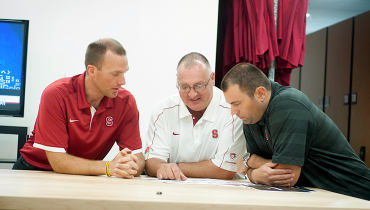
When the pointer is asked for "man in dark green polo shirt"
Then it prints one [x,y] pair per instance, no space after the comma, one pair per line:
[290,141]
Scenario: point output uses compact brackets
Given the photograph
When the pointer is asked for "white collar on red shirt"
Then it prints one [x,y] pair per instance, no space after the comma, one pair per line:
[211,111]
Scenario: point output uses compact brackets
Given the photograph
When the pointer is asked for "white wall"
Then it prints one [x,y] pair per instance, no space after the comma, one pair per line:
[156,34]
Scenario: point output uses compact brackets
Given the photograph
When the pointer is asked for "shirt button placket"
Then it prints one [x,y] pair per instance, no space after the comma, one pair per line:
[196,133]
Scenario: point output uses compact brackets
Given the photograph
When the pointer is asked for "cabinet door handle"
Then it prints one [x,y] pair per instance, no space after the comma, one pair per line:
[362,153]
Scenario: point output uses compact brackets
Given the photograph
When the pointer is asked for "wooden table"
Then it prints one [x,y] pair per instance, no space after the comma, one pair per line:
[49,190]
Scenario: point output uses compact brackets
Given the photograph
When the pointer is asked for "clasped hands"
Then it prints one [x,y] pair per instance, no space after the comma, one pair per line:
[124,165]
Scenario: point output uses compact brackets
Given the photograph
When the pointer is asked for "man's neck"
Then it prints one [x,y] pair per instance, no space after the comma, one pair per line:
[268,98]
[266,102]
[196,114]
[95,104]
[92,95]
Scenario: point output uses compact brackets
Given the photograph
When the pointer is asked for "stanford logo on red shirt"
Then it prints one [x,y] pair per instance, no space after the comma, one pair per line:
[109,121]
[232,156]
[215,133]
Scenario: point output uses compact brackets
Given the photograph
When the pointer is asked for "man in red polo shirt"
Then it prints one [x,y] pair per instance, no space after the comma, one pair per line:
[81,117]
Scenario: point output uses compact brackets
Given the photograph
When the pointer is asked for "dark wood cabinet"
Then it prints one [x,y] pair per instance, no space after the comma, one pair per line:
[337,65]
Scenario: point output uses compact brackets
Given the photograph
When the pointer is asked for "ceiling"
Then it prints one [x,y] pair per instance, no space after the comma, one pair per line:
[324,13]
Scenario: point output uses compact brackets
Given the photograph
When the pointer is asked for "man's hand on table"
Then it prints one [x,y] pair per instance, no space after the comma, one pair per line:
[170,171]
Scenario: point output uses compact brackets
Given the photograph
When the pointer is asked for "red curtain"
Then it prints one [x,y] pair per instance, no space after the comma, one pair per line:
[251,36]
[291,34]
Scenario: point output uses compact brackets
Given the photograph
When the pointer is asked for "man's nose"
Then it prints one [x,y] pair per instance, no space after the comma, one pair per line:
[192,93]
[234,110]
[122,80]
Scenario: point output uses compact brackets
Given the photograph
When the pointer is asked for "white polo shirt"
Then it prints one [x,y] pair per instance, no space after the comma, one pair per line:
[217,136]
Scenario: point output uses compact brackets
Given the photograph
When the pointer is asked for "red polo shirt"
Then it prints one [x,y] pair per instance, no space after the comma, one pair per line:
[64,124]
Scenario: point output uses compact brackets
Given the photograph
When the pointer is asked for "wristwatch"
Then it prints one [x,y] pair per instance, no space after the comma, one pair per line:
[246,158]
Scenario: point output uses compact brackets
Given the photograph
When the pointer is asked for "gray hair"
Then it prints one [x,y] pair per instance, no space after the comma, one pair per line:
[191,59]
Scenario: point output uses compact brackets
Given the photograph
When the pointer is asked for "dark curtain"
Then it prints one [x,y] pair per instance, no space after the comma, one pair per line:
[221,28]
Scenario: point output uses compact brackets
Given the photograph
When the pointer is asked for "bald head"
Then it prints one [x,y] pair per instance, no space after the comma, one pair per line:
[193,59]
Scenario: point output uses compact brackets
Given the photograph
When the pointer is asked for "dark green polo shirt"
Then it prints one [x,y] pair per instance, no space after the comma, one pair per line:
[294,131]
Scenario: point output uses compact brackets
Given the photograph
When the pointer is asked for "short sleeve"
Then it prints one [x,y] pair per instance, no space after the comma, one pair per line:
[157,145]
[231,145]
[51,125]
[291,129]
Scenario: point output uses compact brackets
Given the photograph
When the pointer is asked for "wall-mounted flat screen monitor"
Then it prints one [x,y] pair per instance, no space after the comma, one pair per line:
[13,59]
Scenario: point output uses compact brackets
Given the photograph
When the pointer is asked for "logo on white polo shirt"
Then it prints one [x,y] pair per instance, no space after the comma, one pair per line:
[147,150]
[109,121]
[232,156]
[215,133]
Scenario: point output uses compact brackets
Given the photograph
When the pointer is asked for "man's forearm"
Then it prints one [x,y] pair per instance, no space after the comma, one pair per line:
[250,177]
[256,161]
[69,164]
[274,174]
[152,165]
[140,163]
[205,169]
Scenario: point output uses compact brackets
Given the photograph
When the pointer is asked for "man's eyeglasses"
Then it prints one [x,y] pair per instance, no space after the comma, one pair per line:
[197,88]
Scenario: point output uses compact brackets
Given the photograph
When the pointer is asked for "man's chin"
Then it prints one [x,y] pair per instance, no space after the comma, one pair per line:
[112,95]
[246,121]
[196,108]
[249,122]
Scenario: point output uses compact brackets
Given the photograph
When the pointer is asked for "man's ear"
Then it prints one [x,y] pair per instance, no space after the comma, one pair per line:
[213,78]
[260,93]
[91,70]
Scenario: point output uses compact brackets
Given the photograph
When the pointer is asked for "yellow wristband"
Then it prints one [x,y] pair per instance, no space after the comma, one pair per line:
[107,169]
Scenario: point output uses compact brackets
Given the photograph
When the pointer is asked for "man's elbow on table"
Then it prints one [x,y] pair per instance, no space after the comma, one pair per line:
[55,159]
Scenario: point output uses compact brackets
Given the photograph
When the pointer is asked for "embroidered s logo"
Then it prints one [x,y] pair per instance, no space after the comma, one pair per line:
[109,121]
[215,133]
[232,156]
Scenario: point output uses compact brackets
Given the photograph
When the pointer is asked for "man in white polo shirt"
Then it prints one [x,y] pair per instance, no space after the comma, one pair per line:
[193,134]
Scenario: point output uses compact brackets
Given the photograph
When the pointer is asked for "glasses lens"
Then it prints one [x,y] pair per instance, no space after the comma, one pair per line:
[184,89]
[199,87]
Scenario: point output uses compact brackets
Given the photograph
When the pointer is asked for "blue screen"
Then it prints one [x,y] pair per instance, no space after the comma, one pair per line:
[12,35]
[11,45]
